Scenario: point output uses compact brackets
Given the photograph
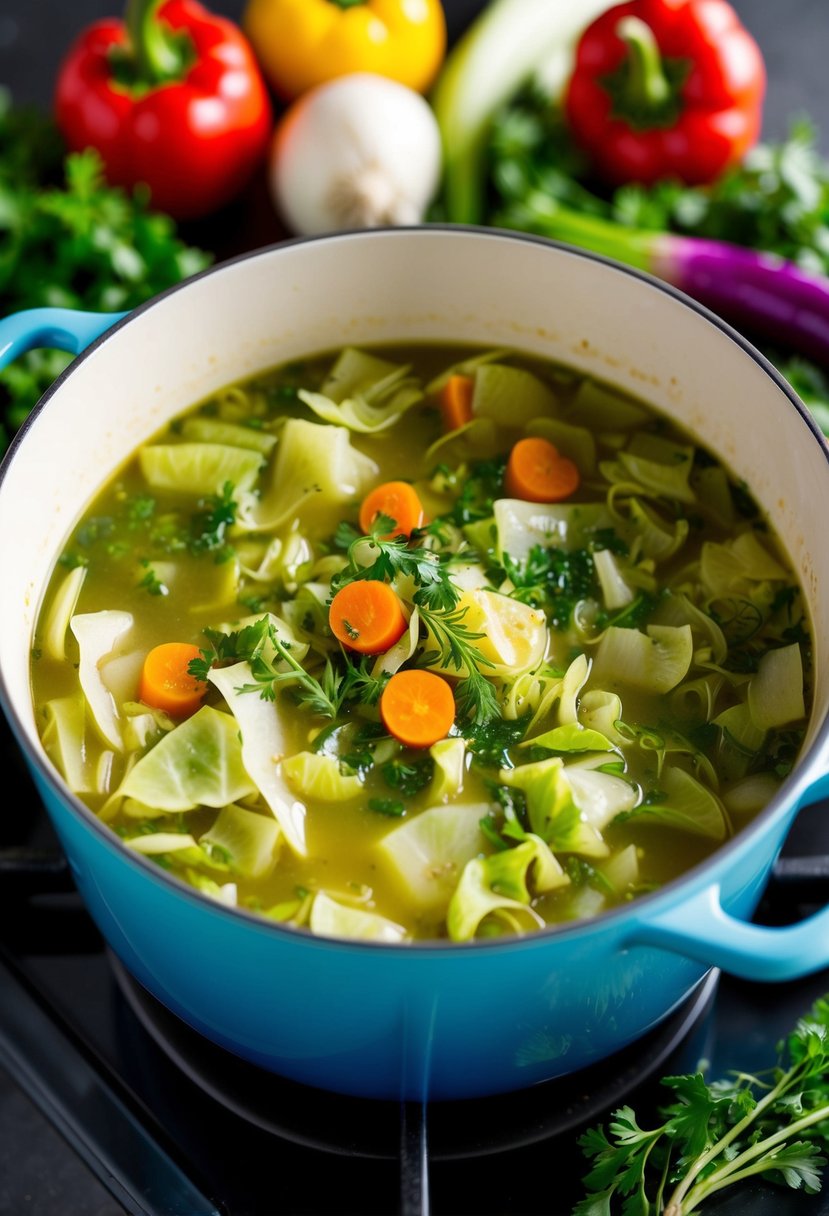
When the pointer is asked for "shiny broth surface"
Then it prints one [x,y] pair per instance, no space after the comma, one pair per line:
[627,654]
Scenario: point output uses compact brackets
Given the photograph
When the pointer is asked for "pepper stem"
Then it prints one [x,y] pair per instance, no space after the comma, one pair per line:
[646,87]
[158,53]
[346,3]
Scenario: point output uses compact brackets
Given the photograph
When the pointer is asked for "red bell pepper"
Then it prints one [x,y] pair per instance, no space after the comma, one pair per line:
[171,96]
[666,89]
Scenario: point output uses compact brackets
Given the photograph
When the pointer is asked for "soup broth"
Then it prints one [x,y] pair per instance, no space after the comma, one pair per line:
[455,644]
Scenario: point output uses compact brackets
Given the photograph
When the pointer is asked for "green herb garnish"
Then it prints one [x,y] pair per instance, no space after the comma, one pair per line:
[713,1136]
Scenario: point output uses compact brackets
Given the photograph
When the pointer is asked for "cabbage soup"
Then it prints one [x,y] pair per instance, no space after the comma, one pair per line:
[421,642]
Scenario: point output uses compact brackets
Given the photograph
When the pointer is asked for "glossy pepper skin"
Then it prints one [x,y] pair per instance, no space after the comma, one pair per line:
[196,139]
[302,43]
[701,118]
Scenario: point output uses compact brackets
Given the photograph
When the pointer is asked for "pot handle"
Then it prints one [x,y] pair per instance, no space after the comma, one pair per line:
[701,929]
[56,328]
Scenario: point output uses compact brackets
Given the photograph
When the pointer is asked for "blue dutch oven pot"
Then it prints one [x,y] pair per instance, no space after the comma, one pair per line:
[433,1020]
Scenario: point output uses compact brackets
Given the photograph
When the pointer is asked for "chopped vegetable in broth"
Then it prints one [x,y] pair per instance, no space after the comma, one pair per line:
[420,642]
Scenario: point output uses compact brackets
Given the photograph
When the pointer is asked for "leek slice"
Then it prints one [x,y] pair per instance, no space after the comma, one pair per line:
[199,468]
[600,711]
[97,634]
[263,748]
[427,853]
[655,661]
[330,918]
[775,694]
[197,764]
[247,839]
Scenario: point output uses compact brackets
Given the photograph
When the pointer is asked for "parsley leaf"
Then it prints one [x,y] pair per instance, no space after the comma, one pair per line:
[717,1135]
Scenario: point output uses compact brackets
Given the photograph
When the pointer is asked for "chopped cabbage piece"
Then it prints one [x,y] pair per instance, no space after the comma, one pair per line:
[199,468]
[314,464]
[315,775]
[97,635]
[197,764]
[511,396]
[61,610]
[229,434]
[428,852]
[654,661]
[523,525]
[263,749]
[247,839]
[330,918]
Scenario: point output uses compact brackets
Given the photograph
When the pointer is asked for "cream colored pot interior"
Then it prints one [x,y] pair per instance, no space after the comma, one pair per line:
[427,284]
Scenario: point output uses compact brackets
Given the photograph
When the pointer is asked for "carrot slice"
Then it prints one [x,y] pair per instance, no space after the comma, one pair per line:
[417,707]
[166,683]
[366,616]
[399,501]
[537,472]
[455,402]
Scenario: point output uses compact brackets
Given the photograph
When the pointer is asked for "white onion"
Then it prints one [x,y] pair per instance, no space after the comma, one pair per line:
[360,151]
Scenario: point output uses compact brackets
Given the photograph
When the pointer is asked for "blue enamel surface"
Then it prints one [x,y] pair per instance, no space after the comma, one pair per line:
[436,1021]
[55,328]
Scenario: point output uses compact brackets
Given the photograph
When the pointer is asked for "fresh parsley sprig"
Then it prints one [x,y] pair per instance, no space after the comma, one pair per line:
[475,696]
[720,1134]
[249,644]
[339,682]
[391,559]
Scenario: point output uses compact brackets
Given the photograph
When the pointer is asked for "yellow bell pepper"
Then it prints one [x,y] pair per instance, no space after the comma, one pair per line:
[301,43]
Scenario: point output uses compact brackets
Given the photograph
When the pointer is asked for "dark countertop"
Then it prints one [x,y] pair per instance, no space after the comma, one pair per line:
[39,1174]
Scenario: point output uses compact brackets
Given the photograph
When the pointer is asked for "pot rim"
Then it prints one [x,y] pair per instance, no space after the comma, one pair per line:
[785,802]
